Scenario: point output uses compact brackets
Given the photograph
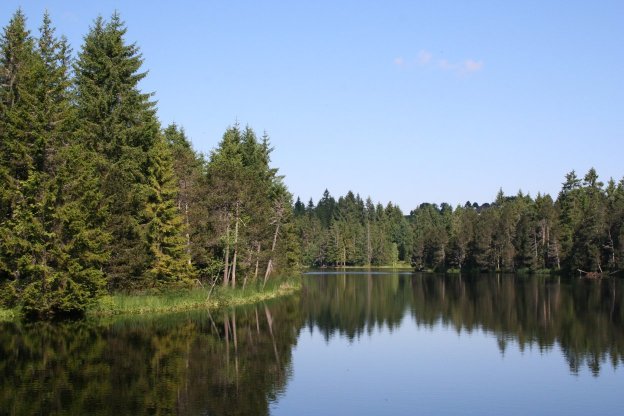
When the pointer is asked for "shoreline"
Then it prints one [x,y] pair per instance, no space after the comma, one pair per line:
[178,301]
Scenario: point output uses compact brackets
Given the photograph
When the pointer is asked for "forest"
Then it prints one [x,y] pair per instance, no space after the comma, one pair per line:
[98,197]
[582,231]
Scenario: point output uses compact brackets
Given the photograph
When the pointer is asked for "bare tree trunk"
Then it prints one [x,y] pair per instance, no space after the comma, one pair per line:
[184,196]
[279,213]
[269,268]
[226,268]
[612,248]
[188,234]
[369,251]
[249,263]
[257,260]
[233,280]
[535,247]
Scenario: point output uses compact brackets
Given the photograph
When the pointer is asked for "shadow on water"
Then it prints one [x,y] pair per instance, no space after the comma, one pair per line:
[239,361]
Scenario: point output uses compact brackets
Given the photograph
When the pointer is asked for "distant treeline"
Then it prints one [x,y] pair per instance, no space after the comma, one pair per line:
[96,197]
[583,229]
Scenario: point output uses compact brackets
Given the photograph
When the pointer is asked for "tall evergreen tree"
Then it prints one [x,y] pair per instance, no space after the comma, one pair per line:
[51,237]
[17,95]
[119,122]
[250,206]
[189,169]
[170,259]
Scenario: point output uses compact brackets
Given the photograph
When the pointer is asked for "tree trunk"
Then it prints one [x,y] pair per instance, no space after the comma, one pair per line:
[535,256]
[369,250]
[612,248]
[257,260]
[226,268]
[269,268]
[188,234]
[233,280]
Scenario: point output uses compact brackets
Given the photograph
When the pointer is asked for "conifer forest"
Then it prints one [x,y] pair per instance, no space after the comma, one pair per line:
[96,196]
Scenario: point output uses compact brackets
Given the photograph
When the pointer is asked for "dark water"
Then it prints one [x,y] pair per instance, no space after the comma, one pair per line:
[349,344]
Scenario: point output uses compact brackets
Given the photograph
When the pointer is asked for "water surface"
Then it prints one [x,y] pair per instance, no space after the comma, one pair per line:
[354,343]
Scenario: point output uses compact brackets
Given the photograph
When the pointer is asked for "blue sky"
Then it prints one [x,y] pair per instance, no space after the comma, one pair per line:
[405,101]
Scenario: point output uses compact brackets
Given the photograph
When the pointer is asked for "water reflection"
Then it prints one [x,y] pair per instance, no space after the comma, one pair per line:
[233,363]
[238,362]
[585,318]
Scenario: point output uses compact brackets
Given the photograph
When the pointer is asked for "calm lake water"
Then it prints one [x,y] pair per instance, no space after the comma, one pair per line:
[358,343]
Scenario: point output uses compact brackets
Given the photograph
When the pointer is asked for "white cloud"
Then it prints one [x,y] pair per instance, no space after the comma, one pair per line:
[424,57]
[470,65]
[445,65]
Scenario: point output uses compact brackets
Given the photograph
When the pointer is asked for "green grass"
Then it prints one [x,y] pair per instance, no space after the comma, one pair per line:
[135,304]
[8,315]
[397,265]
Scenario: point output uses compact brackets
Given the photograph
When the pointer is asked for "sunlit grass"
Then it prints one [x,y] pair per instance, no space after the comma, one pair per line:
[397,265]
[8,314]
[197,298]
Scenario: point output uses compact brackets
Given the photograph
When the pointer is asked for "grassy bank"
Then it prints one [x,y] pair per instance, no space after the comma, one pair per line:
[399,265]
[199,298]
[8,314]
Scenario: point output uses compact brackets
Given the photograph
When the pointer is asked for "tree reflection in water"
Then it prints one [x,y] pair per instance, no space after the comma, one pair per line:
[237,362]
[584,317]
[232,363]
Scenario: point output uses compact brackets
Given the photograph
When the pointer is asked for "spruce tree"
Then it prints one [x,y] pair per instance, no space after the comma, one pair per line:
[23,240]
[250,206]
[189,170]
[170,260]
[118,121]
[50,242]
[17,93]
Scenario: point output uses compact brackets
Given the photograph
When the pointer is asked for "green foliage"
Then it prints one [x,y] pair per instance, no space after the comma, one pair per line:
[96,198]
[351,232]
[170,261]
[51,255]
[582,230]
[249,209]
[117,121]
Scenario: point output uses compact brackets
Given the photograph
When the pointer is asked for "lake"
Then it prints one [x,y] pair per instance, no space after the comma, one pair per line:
[355,343]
